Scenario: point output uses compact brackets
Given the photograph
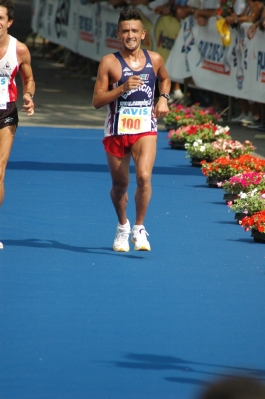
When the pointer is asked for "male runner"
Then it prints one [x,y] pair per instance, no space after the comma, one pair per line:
[14,57]
[126,84]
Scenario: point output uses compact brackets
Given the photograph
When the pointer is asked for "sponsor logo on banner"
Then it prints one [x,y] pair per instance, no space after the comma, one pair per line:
[62,18]
[111,37]
[41,13]
[213,57]
[86,29]
[188,39]
[98,26]
[261,67]
[240,53]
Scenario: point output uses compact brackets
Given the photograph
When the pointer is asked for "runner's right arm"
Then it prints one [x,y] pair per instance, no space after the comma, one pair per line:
[107,74]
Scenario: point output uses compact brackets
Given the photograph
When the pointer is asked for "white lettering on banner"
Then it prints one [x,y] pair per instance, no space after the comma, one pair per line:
[218,68]
[87,37]
[261,66]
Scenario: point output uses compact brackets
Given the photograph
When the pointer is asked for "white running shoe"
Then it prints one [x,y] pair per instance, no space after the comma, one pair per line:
[121,240]
[249,120]
[139,239]
[1,245]
[239,118]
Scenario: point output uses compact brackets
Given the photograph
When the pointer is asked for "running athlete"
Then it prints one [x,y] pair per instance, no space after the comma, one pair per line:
[126,84]
[14,57]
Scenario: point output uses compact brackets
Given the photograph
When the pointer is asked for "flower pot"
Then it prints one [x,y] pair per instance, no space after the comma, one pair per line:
[258,237]
[178,145]
[229,197]
[173,126]
[196,161]
[239,216]
[212,181]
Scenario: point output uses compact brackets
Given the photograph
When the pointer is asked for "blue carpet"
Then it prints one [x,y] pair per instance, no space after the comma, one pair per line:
[79,321]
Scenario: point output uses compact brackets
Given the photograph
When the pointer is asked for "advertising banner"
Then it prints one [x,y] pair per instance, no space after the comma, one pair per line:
[189,50]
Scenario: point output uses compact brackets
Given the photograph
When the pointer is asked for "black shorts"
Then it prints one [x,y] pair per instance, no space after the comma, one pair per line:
[9,116]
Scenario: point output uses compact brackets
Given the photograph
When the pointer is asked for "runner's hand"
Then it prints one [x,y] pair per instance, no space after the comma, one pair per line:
[28,105]
[161,108]
[133,83]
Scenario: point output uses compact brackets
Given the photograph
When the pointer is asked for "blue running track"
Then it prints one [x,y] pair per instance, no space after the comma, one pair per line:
[79,321]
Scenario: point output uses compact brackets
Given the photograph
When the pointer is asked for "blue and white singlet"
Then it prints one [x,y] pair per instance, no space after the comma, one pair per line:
[133,111]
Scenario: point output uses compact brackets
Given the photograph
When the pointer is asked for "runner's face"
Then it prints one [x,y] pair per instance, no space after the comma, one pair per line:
[130,34]
[4,23]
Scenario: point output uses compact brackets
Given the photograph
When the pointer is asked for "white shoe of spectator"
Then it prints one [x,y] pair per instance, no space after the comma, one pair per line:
[176,96]
[249,119]
[239,118]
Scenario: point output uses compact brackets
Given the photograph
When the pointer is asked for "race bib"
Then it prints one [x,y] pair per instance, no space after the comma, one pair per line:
[134,120]
[3,92]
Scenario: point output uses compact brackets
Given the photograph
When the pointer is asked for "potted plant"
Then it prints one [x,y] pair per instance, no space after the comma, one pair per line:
[180,115]
[242,182]
[198,150]
[223,168]
[206,132]
[248,203]
[255,223]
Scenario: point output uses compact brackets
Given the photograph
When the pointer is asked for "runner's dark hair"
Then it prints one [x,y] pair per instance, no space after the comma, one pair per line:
[8,4]
[129,14]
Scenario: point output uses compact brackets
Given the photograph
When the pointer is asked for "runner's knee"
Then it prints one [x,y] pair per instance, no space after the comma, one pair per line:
[119,188]
[143,179]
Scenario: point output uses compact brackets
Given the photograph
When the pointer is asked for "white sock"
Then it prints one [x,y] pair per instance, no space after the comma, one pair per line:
[137,227]
[124,226]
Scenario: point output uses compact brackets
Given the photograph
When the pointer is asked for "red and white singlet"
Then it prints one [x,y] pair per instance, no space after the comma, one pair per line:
[8,70]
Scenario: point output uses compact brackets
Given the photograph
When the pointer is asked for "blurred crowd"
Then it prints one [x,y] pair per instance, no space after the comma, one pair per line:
[235,12]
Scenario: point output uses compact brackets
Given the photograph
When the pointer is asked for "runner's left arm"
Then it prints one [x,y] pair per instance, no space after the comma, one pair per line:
[27,78]
[164,85]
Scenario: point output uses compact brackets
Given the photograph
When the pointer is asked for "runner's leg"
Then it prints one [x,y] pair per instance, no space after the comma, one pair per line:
[6,141]
[143,152]
[119,171]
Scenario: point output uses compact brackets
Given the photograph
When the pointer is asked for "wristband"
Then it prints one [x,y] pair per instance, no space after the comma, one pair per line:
[31,95]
